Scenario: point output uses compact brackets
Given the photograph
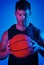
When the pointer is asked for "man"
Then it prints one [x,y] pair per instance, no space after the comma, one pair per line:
[22,12]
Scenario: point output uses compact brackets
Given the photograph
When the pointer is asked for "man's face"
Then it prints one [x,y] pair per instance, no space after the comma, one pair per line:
[23,17]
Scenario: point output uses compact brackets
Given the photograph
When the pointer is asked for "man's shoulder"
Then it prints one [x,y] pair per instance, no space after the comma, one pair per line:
[34,27]
[5,35]
[30,24]
[12,27]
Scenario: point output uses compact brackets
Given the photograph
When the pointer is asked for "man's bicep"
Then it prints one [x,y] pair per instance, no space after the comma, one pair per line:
[4,40]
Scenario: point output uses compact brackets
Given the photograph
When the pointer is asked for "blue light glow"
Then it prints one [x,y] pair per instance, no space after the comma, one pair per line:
[42,35]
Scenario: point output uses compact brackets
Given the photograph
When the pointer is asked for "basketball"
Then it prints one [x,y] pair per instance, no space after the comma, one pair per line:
[20,45]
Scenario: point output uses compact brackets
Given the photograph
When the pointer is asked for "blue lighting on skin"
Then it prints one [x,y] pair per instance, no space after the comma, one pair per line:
[42,36]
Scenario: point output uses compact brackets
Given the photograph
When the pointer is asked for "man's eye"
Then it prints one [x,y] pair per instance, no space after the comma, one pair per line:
[24,14]
[19,14]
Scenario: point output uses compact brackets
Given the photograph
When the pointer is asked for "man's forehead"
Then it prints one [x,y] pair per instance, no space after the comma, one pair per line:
[23,11]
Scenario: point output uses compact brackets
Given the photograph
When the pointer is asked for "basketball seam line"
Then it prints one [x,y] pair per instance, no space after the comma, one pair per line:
[20,40]
[20,49]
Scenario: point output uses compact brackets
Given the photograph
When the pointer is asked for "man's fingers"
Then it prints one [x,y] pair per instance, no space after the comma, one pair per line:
[9,41]
[34,46]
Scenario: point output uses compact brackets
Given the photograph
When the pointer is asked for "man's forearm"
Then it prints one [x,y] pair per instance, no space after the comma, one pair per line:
[41,50]
[3,54]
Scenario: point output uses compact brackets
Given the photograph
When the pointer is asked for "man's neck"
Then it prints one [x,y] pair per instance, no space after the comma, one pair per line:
[20,27]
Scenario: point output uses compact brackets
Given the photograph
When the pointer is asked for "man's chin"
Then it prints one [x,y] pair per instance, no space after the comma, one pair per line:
[22,25]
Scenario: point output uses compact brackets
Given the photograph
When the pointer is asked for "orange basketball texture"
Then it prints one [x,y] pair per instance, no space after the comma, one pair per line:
[20,45]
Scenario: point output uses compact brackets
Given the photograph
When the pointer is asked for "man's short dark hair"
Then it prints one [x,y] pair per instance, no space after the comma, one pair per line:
[22,5]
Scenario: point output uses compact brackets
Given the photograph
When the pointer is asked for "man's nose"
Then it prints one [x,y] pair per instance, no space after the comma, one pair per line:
[23,17]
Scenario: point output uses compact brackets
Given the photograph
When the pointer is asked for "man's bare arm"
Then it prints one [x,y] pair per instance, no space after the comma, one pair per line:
[4,46]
